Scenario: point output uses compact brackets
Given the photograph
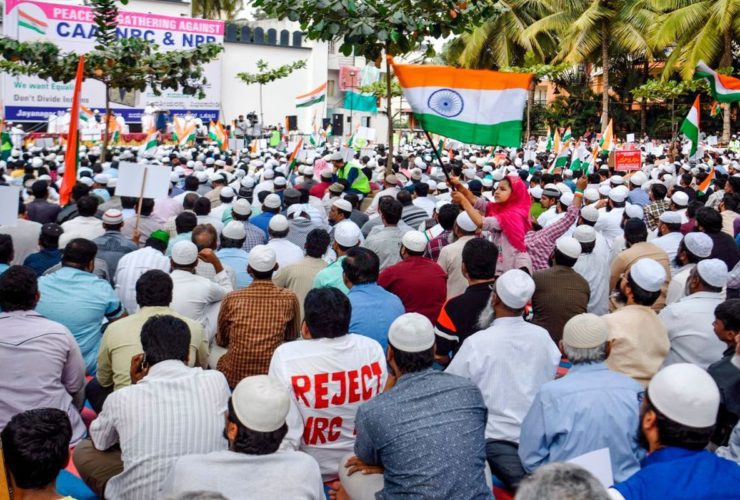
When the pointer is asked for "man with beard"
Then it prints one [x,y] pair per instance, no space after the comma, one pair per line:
[694,248]
[677,419]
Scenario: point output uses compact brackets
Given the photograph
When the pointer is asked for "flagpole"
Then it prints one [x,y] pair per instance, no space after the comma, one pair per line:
[439,158]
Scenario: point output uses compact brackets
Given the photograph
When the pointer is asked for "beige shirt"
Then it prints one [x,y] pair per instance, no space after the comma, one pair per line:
[122,341]
[450,259]
[640,342]
[298,277]
[623,262]
[728,221]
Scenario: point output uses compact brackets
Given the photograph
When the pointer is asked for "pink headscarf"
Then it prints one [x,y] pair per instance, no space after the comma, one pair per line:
[513,215]
[319,166]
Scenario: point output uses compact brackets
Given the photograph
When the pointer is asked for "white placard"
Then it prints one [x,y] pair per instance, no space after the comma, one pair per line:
[348,154]
[236,144]
[598,463]
[263,143]
[131,175]
[369,152]
[366,133]
[9,196]
[630,137]
[44,142]
[712,140]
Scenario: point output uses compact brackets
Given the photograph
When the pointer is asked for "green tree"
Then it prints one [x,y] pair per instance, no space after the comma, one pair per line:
[590,31]
[265,75]
[668,91]
[126,64]
[368,28]
[697,30]
[216,9]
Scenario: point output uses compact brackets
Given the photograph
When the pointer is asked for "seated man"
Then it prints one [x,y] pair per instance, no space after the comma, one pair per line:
[254,465]
[427,434]
[176,411]
[29,340]
[560,481]
[78,299]
[36,448]
[330,374]
[122,339]
[677,419]
[373,308]
[567,416]
[509,361]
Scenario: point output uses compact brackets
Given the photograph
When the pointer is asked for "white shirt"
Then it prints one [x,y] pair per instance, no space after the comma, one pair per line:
[509,361]
[25,236]
[286,252]
[239,475]
[594,267]
[426,204]
[172,412]
[129,270]
[677,285]
[690,331]
[193,294]
[546,216]
[81,227]
[328,379]
[609,224]
[373,208]
[669,242]
[218,212]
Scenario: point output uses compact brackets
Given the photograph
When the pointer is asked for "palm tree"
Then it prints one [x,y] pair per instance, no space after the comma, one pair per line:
[591,30]
[696,30]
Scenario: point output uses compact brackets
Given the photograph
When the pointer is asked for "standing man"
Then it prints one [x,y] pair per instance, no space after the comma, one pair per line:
[255,321]
[509,361]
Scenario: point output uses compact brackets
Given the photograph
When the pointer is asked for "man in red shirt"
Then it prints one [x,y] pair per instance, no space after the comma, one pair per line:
[318,190]
[420,283]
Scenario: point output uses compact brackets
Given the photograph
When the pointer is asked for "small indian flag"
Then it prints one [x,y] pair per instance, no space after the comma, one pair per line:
[568,135]
[556,141]
[151,141]
[690,126]
[607,138]
[26,20]
[292,162]
[724,88]
[114,131]
[561,160]
[86,114]
[218,134]
[469,105]
[308,99]
[704,186]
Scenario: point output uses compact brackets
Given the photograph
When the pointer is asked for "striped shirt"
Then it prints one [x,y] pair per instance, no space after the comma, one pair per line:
[129,270]
[172,412]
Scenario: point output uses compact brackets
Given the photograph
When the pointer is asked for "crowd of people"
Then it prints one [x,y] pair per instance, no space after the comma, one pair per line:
[372,327]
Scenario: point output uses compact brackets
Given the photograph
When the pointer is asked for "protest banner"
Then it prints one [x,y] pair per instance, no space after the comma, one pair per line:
[9,205]
[627,160]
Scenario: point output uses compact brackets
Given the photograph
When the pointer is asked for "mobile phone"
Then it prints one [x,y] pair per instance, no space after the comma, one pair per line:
[143,363]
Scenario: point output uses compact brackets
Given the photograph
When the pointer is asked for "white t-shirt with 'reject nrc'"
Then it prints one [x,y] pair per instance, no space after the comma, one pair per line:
[328,379]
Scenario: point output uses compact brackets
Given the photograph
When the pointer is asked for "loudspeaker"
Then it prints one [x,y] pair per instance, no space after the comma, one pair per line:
[292,122]
[337,124]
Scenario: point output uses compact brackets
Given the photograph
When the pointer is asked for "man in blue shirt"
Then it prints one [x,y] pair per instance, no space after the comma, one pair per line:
[270,208]
[590,408]
[232,254]
[638,196]
[49,254]
[678,417]
[76,298]
[426,435]
[373,308]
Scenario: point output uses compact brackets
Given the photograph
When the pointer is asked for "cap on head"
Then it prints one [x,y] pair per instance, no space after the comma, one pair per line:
[680,198]
[648,274]
[686,394]
[584,234]
[570,247]
[347,234]
[465,223]
[411,332]
[585,331]
[590,213]
[713,272]
[342,204]
[261,403]
[515,288]
[272,201]
[415,241]
[279,223]
[699,244]
[184,253]
[634,211]
[113,217]
[670,217]
[242,207]
[234,230]
[262,258]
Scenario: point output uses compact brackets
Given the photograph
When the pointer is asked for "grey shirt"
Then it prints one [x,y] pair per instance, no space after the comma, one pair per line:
[284,474]
[386,243]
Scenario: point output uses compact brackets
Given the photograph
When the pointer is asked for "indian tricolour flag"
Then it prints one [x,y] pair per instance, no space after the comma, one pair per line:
[690,126]
[724,88]
[150,144]
[218,134]
[561,160]
[25,20]
[568,135]
[316,96]
[473,106]
[606,143]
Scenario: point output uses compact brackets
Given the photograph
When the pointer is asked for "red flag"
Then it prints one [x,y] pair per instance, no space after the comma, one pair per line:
[70,157]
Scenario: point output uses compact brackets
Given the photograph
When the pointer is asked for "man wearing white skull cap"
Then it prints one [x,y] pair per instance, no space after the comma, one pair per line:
[677,419]
[693,248]
[508,361]
[689,321]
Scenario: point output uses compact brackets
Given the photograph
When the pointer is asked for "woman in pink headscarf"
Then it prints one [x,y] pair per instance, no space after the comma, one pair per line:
[506,220]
